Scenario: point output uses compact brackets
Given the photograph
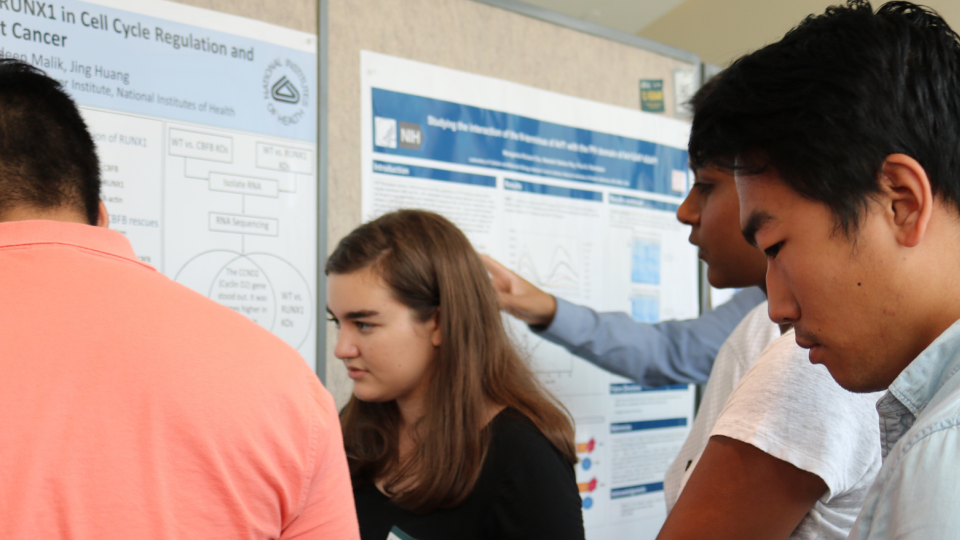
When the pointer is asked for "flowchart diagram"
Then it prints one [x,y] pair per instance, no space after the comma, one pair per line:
[251,262]
[229,214]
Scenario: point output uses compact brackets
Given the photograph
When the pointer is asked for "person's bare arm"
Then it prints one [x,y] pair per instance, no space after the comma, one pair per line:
[738,491]
[519,297]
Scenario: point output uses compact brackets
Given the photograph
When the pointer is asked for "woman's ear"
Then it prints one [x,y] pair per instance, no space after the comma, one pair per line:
[435,337]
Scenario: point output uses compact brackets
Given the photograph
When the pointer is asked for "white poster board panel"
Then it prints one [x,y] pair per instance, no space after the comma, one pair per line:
[579,198]
[206,128]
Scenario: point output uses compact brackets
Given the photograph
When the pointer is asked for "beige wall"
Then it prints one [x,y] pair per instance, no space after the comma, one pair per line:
[722,30]
[297,14]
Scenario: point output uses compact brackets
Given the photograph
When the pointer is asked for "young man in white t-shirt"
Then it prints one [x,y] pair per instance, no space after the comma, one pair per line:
[711,209]
[788,453]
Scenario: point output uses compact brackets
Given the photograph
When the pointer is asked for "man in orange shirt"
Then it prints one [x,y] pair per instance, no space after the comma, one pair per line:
[130,406]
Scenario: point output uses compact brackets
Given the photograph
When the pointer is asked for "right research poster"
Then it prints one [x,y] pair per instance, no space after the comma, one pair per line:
[579,198]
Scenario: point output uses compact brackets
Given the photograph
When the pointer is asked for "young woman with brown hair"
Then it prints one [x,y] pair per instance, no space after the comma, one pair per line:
[448,433]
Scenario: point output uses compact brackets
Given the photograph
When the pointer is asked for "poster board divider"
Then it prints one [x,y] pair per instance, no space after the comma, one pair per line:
[322,200]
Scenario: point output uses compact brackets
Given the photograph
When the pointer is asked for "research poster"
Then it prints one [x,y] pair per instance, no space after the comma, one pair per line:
[206,129]
[579,198]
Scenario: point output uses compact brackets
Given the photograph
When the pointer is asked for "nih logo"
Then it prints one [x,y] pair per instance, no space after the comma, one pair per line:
[385,134]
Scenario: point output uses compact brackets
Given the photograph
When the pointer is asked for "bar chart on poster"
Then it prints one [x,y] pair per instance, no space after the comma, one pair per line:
[205,126]
[577,197]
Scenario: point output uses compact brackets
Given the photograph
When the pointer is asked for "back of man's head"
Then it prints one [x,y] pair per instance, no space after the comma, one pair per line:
[824,106]
[48,160]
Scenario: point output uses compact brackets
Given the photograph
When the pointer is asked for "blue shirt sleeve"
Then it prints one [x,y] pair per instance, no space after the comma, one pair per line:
[670,352]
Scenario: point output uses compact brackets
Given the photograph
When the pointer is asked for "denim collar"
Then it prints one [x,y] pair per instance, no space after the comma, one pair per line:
[917,385]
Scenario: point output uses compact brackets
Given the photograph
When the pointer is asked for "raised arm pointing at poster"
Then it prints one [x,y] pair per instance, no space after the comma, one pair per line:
[659,354]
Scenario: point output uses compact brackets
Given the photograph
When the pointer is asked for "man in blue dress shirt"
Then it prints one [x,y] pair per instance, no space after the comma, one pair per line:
[669,352]
[845,140]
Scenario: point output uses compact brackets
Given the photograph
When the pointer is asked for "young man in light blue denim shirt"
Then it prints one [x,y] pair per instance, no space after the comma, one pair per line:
[845,138]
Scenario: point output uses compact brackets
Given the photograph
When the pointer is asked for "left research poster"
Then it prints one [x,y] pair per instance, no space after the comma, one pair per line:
[206,128]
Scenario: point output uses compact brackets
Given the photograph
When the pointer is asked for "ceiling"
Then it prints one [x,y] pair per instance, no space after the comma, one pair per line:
[624,15]
[718,31]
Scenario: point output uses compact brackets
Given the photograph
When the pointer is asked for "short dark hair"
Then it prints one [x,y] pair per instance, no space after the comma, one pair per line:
[696,102]
[825,105]
[47,157]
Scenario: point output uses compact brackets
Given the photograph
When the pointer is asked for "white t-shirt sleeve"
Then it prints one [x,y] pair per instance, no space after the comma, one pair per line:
[795,411]
[737,355]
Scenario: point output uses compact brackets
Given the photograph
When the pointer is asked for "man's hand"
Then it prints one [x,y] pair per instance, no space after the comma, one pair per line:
[519,297]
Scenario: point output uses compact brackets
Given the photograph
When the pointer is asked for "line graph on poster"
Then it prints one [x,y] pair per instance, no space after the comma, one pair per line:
[561,272]
[261,286]
[552,262]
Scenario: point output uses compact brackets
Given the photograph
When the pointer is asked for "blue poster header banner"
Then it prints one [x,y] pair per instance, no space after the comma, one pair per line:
[627,427]
[427,173]
[633,491]
[124,61]
[555,191]
[420,127]
[634,388]
[637,202]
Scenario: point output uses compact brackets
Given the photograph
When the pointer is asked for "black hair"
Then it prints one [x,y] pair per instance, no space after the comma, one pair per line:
[696,103]
[47,157]
[700,96]
[825,105]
